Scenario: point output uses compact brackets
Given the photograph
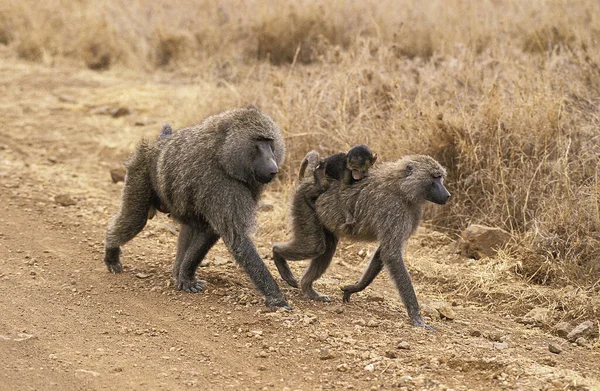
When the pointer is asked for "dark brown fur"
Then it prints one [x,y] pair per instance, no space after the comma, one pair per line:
[387,207]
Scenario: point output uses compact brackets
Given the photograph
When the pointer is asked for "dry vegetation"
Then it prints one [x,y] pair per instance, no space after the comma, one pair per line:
[503,93]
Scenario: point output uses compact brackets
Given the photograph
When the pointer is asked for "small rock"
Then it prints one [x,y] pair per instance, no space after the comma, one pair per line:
[117,174]
[403,345]
[585,329]
[139,123]
[64,200]
[120,112]
[142,275]
[554,348]
[404,380]
[562,329]
[500,345]
[446,312]
[342,367]
[219,261]
[339,310]
[66,98]
[372,323]
[369,367]
[325,354]
[536,317]
[391,354]
[205,262]
[581,341]
[478,241]
[375,298]
[265,206]
[429,311]
[475,333]
[262,354]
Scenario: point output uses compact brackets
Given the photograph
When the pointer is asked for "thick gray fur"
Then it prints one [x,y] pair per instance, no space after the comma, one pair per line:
[387,206]
[204,176]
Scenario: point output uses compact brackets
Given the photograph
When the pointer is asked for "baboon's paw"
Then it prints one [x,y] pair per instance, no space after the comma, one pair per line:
[278,302]
[348,291]
[421,323]
[314,295]
[191,286]
[114,267]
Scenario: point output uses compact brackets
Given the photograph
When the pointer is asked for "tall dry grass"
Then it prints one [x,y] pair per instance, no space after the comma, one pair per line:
[504,93]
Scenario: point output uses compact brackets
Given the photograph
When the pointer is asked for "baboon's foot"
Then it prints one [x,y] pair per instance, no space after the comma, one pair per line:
[348,291]
[111,259]
[191,285]
[277,302]
[419,322]
[284,270]
[114,267]
[314,295]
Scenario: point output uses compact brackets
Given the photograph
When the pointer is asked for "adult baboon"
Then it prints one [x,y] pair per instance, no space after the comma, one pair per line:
[209,177]
[387,207]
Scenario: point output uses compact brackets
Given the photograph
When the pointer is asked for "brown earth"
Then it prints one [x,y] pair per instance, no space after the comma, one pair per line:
[66,323]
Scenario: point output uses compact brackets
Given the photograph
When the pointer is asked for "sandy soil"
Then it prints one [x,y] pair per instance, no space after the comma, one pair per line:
[66,323]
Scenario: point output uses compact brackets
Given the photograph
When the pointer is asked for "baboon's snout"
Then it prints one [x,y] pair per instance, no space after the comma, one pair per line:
[266,171]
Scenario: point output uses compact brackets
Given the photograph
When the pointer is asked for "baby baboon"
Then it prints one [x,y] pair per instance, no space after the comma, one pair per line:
[387,207]
[348,167]
[210,177]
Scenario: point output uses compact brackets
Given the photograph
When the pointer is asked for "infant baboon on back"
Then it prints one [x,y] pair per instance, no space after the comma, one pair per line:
[209,177]
[347,167]
[387,207]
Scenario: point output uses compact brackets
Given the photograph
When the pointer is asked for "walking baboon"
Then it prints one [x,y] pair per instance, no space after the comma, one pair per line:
[387,207]
[210,177]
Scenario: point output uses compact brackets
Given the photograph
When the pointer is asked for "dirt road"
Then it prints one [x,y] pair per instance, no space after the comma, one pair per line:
[66,323]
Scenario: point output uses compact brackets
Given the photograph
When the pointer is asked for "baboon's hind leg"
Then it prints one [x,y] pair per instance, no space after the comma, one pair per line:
[317,267]
[129,220]
[373,269]
[295,250]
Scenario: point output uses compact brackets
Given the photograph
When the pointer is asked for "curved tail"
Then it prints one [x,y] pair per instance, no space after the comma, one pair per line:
[310,161]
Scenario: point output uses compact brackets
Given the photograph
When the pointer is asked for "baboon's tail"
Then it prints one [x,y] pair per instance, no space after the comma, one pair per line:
[165,131]
[310,161]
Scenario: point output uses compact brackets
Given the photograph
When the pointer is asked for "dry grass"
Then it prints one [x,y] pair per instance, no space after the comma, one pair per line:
[504,93]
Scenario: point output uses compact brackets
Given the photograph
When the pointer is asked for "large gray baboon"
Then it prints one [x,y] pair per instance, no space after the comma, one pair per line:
[387,207]
[209,177]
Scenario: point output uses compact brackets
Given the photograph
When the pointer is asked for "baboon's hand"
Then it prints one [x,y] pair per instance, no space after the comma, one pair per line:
[191,286]
[348,291]
[278,303]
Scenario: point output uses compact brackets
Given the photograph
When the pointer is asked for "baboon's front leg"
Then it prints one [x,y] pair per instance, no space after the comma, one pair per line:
[399,273]
[129,220]
[245,254]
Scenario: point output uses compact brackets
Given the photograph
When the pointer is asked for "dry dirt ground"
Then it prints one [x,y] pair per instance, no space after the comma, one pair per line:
[67,324]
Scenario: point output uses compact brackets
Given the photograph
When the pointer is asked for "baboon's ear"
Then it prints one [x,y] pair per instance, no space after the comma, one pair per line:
[374,159]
